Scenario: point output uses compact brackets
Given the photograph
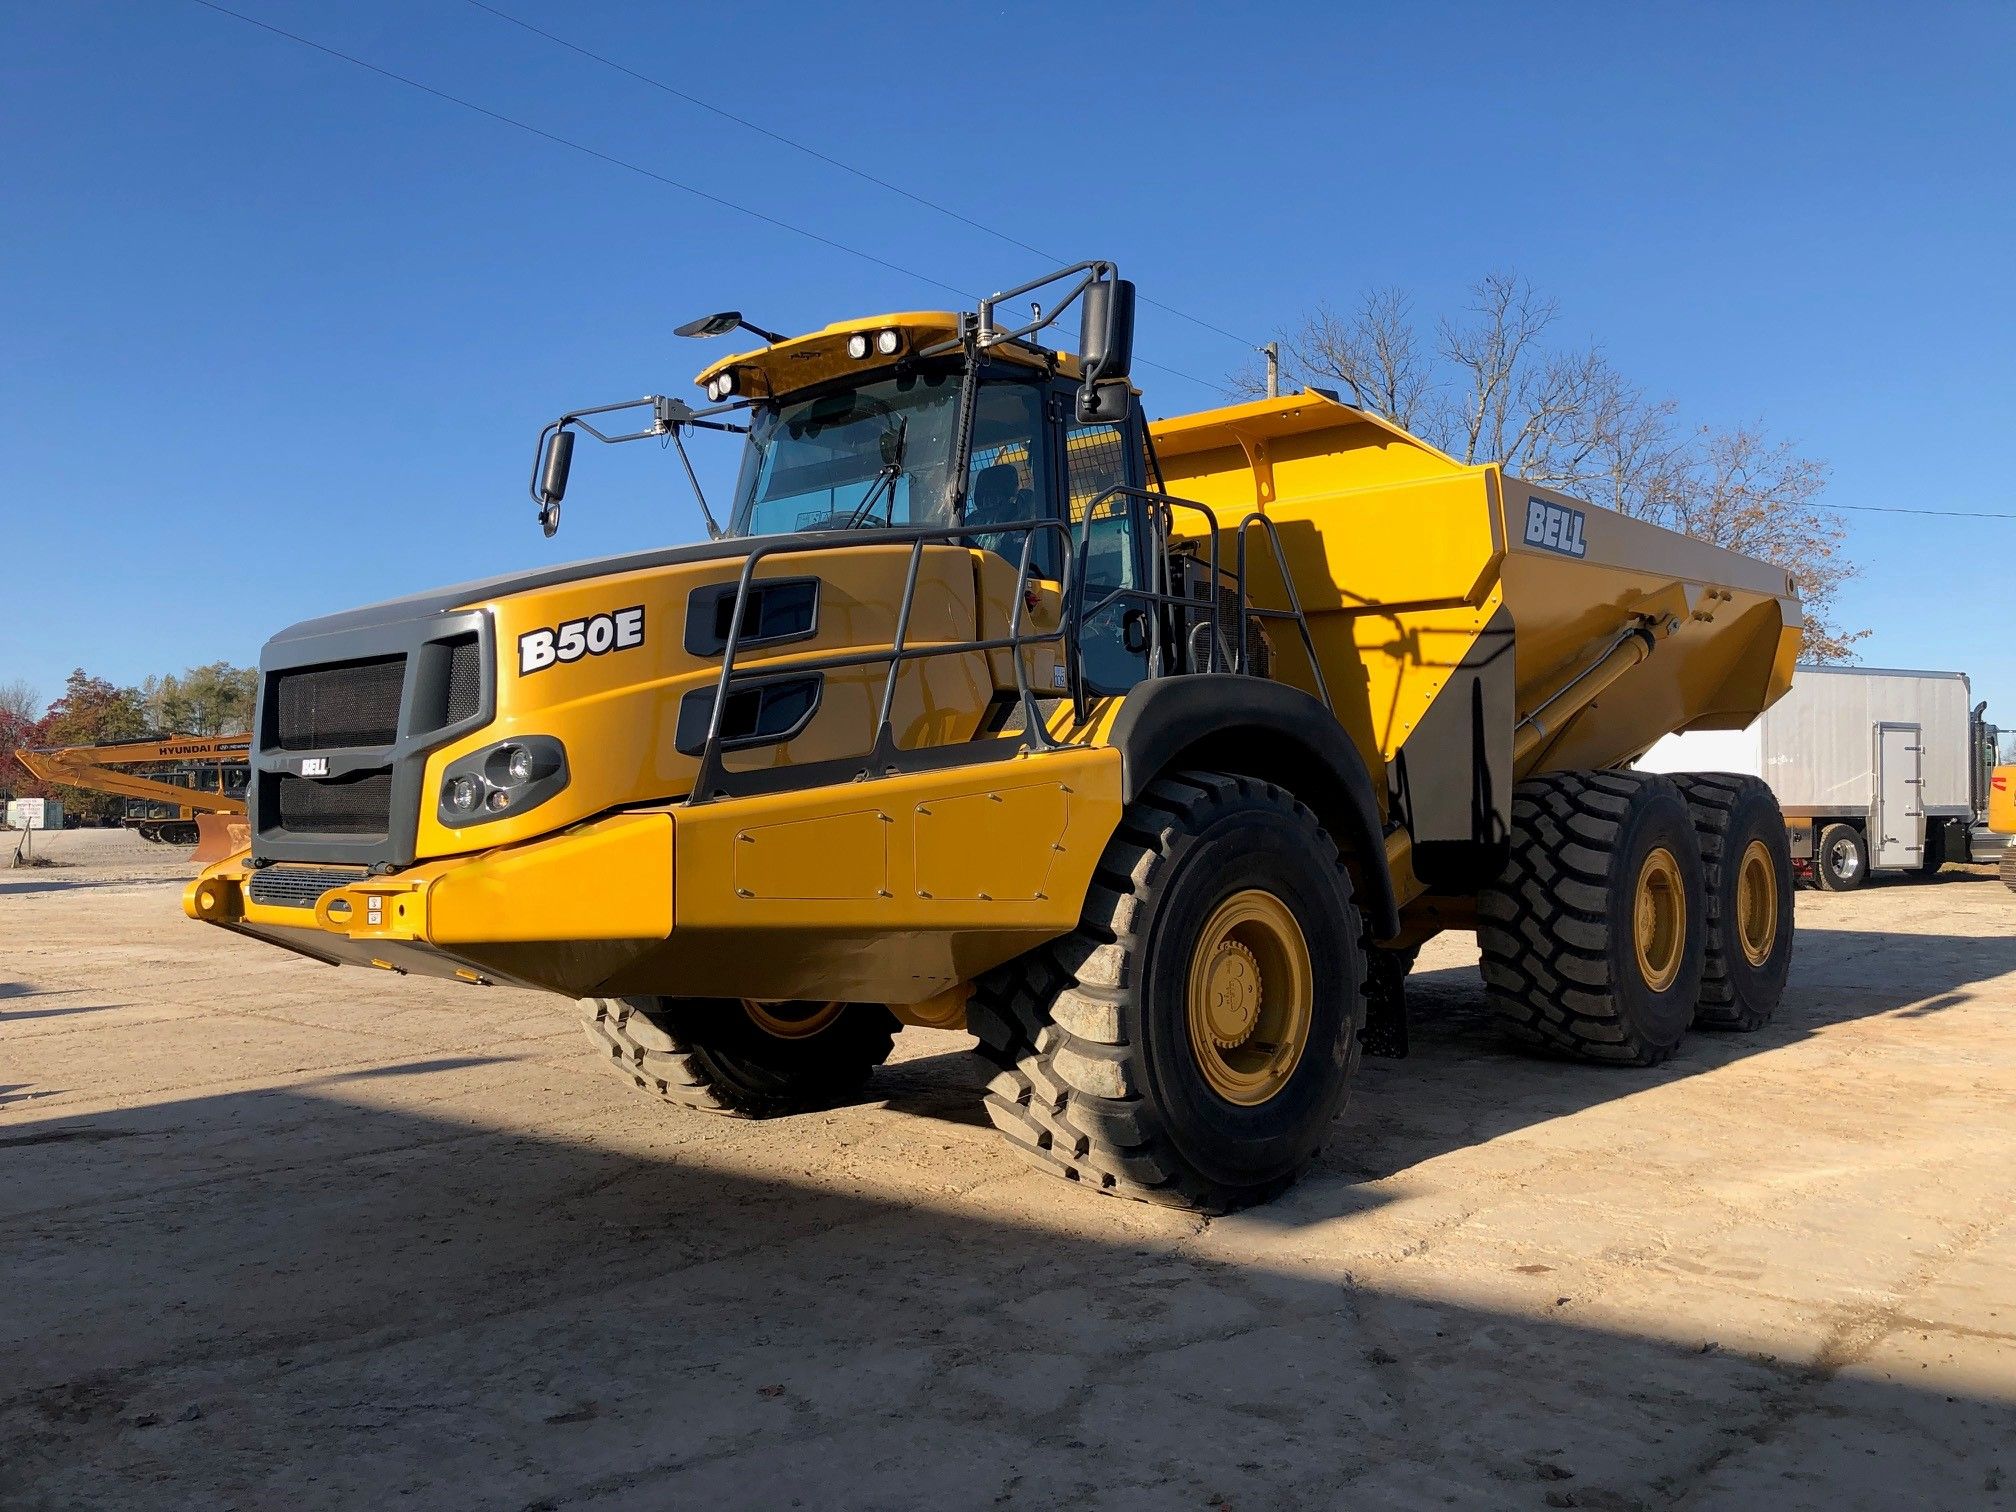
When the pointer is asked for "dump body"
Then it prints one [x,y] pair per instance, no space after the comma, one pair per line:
[1464,617]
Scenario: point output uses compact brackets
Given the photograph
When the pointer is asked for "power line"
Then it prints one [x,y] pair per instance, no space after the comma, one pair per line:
[832,162]
[632,167]
[1944,514]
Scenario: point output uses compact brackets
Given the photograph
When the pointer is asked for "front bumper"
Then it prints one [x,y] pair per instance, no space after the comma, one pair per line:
[892,891]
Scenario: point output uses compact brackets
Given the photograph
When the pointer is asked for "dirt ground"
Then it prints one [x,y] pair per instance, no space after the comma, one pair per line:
[281,1235]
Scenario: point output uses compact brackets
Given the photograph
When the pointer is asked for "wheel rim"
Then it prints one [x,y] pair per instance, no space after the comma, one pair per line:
[1756,903]
[794,1020]
[1659,919]
[1251,997]
[1842,860]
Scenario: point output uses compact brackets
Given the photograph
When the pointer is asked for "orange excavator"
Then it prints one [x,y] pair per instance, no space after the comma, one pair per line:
[192,794]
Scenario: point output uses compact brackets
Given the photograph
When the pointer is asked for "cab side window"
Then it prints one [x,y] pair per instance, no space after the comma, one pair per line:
[1008,471]
[1095,459]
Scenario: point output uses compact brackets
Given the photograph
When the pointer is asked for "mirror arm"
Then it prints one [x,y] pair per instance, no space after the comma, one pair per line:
[668,417]
[1095,271]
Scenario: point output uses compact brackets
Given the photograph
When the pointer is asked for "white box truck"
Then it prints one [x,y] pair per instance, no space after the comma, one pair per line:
[1876,768]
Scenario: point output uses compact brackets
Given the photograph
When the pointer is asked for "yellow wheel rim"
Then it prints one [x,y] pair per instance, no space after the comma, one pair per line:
[800,1020]
[1251,997]
[1659,919]
[1756,903]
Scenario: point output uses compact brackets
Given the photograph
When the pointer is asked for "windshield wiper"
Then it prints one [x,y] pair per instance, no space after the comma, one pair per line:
[894,440]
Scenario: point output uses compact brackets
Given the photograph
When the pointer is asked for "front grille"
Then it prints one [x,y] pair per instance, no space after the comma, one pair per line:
[299,886]
[338,707]
[360,804]
[465,679]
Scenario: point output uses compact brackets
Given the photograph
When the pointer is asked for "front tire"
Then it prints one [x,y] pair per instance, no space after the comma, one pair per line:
[1594,938]
[1192,1043]
[742,1058]
[1840,859]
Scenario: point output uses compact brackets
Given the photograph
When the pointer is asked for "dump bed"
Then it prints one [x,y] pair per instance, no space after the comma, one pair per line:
[1416,569]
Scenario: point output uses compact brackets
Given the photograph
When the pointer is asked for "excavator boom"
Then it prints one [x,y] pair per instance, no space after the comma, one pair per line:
[217,818]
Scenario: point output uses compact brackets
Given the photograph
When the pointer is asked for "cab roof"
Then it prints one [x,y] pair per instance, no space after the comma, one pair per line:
[802,361]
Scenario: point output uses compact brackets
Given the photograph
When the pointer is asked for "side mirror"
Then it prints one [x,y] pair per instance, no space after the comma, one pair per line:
[1105,350]
[553,474]
[553,478]
[710,325]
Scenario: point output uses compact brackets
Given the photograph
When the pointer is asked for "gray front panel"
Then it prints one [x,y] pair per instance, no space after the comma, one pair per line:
[1897,827]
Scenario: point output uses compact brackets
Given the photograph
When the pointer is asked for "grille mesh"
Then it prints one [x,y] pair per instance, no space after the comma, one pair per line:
[465,679]
[299,886]
[344,705]
[355,805]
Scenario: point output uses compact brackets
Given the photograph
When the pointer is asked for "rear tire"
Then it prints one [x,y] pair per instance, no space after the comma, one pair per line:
[1192,1043]
[1594,938]
[1746,860]
[1840,859]
[721,1055]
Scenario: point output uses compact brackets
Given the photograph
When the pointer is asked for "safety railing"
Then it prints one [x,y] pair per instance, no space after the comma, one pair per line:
[1162,507]
[1156,510]
[714,780]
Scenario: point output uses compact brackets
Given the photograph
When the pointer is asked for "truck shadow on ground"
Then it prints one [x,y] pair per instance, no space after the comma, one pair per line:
[1463,1085]
[280,1297]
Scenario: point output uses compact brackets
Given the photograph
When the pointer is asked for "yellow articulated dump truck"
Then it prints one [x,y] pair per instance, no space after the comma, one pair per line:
[1147,753]
[2002,818]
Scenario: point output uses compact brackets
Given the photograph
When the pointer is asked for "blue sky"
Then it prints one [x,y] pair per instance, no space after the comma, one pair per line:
[276,333]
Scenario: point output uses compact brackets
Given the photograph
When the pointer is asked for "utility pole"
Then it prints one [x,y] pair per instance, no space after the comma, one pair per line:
[1273,351]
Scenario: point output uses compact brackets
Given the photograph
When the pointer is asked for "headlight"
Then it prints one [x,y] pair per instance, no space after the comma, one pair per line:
[508,777]
[857,345]
[886,342]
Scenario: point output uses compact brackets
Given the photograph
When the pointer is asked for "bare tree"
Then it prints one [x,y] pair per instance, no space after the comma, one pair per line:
[1374,354]
[1760,496]
[1490,387]
[19,702]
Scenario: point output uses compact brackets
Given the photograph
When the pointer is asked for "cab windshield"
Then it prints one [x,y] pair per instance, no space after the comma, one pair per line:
[876,455]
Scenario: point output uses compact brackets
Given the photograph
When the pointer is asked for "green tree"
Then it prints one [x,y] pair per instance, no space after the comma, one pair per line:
[213,699]
[91,711]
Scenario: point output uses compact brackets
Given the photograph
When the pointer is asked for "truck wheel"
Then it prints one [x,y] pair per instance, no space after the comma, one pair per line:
[738,1056]
[1840,859]
[1746,859]
[1193,1041]
[1594,937]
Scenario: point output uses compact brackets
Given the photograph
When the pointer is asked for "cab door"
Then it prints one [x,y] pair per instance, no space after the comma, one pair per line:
[1098,457]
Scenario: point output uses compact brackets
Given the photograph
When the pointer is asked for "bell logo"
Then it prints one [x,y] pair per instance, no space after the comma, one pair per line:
[1555,527]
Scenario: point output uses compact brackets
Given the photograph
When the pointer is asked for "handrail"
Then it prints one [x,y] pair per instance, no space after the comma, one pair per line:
[1157,509]
[1164,505]
[710,772]
[1293,611]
